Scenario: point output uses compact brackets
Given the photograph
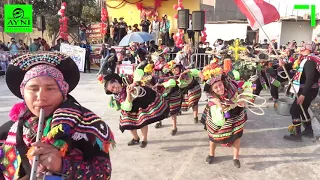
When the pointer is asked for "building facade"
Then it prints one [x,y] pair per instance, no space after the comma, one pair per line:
[131,14]
[221,10]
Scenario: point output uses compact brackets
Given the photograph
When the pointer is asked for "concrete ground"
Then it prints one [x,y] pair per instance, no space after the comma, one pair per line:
[264,154]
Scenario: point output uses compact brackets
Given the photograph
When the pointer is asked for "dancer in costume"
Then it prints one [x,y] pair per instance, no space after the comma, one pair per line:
[159,62]
[262,81]
[172,93]
[75,141]
[305,83]
[140,105]
[190,88]
[224,116]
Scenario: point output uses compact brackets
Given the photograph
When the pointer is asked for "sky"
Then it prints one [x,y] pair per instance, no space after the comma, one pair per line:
[285,7]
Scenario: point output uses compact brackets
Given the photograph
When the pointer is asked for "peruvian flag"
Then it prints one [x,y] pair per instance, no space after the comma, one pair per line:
[258,12]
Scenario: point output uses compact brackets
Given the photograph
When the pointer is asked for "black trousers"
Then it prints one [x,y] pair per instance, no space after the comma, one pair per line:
[165,38]
[259,87]
[87,64]
[295,109]
[275,90]
[191,35]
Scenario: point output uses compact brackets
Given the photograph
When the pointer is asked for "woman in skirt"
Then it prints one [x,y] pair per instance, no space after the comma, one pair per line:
[140,105]
[224,116]
[190,88]
[169,88]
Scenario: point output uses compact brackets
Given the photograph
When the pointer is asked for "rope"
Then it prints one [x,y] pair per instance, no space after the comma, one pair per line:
[138,90]
[253,78]
[258,106]
[280,75]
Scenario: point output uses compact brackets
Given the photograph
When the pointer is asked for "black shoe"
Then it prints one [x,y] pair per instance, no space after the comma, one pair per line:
[158,125]
[179,113]
[195,120]
[133,142]
[174,131]
[210,159]
[236,163]
[292,137]
[307,133]
[143,144]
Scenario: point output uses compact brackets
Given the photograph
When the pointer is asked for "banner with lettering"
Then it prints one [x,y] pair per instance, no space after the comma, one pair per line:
[126,69]
[77,53]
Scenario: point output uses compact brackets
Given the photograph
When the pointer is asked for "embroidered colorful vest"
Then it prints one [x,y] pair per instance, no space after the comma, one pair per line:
[297,77]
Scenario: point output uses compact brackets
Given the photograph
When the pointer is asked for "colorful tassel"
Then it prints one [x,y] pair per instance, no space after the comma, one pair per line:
[17,111]
[55,130]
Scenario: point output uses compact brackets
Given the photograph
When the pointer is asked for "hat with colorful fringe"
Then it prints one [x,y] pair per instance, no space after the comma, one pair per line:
[22,64]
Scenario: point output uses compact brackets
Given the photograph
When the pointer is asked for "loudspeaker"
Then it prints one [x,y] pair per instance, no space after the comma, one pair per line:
[183,19]
[197,20]
[41,24]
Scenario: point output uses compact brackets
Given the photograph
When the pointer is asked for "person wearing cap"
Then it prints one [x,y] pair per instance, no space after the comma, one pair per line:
[75,141]
[122,29]
[305,83]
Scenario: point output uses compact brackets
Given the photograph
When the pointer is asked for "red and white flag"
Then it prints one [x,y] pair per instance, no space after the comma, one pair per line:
[258,12]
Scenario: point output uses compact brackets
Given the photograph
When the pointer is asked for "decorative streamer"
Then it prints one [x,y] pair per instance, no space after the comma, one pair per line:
[63,22]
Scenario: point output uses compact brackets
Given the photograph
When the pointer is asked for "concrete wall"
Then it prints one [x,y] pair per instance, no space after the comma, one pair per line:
[222,10]
[316,33]
[273,30]
[299,31]
[226,31]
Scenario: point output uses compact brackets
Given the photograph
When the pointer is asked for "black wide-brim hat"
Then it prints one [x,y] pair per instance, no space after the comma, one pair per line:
[20,65]
[109,77]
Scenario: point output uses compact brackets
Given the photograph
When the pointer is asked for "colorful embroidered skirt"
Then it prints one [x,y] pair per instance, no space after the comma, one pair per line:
[146,110]
[190,96]
[230,131]
[174,98]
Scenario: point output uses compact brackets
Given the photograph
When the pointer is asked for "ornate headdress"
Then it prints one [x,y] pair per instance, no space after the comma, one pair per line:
[212,73]
[170,65]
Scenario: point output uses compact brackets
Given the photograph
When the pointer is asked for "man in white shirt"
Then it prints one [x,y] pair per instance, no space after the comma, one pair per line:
[155,29]
[190,31]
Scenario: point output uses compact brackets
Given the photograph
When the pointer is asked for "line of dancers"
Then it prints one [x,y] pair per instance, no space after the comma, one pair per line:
[161,89]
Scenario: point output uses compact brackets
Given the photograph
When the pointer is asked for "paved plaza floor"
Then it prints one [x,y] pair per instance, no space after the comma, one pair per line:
[264,153]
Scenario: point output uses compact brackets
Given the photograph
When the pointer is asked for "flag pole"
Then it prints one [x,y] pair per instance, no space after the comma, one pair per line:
[284,69]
